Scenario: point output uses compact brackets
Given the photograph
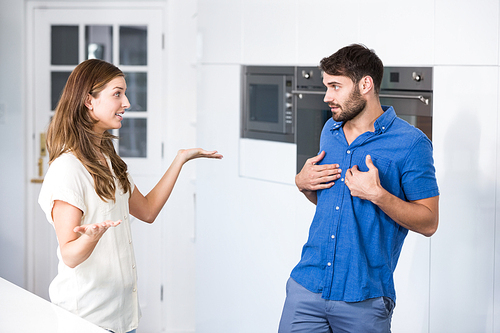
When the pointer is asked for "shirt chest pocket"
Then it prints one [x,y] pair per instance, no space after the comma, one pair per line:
[381,163]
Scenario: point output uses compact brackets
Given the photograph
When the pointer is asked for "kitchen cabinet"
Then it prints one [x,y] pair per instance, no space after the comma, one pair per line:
[323,31]
[465,150]
[256,157]
[400,32]
[269,32]
[219,31]
[411,280]
[496,286]
[466,32]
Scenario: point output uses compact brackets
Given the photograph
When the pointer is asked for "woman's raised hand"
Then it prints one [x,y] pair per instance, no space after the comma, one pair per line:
[147,207]
[190,154]
[96,230]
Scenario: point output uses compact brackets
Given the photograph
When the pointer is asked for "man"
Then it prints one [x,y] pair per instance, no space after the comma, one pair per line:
[373,181]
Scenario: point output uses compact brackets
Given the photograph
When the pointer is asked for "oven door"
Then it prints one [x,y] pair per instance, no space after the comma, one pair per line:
[266,103]
[413,106]
[311,114]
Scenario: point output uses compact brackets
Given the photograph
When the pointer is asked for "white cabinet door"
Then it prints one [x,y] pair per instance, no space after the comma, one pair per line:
[496,286]
[269,30]
[400,32]
[323,27]
[411,280]
[466,32]
[465,149]
[130,36]
[219,31]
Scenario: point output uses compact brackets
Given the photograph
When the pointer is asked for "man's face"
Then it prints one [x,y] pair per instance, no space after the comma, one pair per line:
[343,97]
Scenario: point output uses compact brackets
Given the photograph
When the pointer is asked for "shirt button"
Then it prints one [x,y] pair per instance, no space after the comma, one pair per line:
[337,208]
[134,290]
[342,179]
[333,236]
[133,266]
[329,264]
[383,127]
[130,241]
[348,152]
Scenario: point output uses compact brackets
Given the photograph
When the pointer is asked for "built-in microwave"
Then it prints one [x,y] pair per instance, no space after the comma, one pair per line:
[267,109]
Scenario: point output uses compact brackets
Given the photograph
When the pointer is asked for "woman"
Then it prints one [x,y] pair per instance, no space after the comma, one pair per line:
[88,196]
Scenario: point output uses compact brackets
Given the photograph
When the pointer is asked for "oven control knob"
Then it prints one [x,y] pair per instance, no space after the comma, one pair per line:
[306,75]
[417,77]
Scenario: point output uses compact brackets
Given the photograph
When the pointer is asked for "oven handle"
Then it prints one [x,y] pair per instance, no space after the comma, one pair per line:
[419,97]
[312,92]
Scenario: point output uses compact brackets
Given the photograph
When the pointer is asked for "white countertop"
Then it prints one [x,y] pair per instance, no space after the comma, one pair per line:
[22,311]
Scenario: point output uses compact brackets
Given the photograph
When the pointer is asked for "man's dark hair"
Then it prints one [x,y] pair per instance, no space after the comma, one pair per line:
[355,61]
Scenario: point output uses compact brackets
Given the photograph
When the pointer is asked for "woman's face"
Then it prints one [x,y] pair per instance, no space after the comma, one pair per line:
[108,108]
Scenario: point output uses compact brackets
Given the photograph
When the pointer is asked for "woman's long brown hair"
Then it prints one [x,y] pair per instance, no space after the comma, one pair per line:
[71,128]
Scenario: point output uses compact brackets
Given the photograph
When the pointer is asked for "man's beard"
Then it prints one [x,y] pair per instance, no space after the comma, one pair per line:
[351,108]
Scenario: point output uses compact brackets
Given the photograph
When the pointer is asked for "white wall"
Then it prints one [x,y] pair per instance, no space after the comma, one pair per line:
[250,231]
[12,142]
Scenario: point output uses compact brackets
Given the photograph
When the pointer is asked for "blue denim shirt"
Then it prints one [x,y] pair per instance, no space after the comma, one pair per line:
[353,246]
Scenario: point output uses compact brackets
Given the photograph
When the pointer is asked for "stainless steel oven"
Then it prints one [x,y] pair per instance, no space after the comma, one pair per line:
[409,90]
[310,110]
[267,111]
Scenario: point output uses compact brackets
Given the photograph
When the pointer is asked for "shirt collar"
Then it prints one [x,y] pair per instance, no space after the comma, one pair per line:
[385,120]
[381,124]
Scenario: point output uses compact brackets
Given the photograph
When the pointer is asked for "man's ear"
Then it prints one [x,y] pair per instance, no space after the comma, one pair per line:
[365,84]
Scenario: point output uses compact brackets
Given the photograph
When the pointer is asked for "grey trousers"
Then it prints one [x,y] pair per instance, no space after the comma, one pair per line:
[305,311]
